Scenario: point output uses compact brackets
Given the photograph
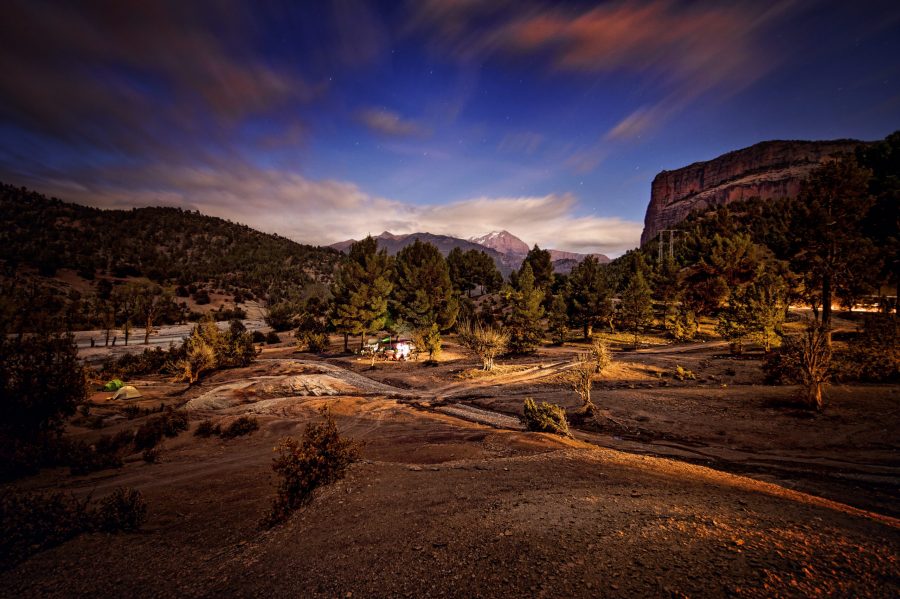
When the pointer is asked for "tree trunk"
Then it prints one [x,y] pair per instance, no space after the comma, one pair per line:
[362,341]
[814,396]
[147,331]
[346,343]
[826,307]
[588,331]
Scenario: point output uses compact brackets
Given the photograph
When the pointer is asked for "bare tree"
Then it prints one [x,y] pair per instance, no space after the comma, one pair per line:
[582,377]
[808,358]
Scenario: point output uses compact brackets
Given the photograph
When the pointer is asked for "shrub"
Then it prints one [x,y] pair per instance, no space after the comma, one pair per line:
[167,424]
[582,378]
[149,361]
[600,352]
[272,338]
[683,374]
[31,522]
[319,458]
[681,323]
[545,418]
[151,455]
[312,341]
[207,429]
[429,341]
[874,356]
[199,356]
[240,427]
[486,342]
[123,509]
[106,453]
[258,337]
[236,327]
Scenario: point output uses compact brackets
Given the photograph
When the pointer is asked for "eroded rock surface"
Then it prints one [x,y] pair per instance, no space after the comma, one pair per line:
[768,170]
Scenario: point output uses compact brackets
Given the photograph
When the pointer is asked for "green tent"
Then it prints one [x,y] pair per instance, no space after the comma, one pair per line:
[113,385]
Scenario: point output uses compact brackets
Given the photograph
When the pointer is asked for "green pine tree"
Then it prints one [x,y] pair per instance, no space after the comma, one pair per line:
[524,318]
[361,290]
[636,309]
[423,293]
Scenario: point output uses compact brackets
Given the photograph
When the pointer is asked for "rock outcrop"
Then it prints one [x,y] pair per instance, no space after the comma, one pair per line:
[767,170]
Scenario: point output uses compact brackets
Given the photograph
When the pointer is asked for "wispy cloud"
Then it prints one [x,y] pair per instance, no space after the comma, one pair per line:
[327,211]
[680,50]
[387,122]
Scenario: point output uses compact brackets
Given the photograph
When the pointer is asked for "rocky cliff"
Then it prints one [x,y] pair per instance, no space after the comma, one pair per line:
[768,170]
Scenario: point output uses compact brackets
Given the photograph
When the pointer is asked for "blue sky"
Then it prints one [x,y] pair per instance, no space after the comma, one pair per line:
[329,120]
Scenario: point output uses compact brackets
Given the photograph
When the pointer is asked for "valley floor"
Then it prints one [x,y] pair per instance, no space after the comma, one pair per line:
[698,488]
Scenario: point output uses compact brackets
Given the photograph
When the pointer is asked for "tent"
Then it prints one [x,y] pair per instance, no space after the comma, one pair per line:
[127,392]
[113,385]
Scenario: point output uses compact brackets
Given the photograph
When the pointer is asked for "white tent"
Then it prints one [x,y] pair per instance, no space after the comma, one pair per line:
[127,392]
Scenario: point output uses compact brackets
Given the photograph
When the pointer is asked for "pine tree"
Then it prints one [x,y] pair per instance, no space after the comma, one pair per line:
[558,320]
[423,293]
[828,239]
[541,267]
[590,299]
[524,318]
[636,310]
[361,290]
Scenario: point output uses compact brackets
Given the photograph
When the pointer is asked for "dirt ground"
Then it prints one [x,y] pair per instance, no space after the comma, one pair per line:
[699,488]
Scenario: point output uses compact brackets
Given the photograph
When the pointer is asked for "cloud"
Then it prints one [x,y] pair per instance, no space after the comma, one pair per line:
[390,123]
[681,51]
[139,78]
[327,211]
[525,142]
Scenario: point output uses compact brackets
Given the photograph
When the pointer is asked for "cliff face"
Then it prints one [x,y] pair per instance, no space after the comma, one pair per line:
[768,170]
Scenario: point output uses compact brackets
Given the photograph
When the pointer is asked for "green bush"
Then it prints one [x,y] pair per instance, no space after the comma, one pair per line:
[240,427]
[272,337]
[320,458]
[258,337]
[545,418]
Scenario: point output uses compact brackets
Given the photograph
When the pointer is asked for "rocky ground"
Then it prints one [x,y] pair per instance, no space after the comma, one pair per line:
[697,488]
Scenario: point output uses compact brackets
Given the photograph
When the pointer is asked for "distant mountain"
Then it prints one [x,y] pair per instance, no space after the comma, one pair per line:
[507,250]
[503,242]
[394,243]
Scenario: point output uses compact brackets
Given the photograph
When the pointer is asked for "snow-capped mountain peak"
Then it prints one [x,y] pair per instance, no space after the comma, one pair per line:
[503,242]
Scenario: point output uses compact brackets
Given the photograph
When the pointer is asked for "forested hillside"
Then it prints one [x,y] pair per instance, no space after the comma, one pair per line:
[162,244]
[183,250]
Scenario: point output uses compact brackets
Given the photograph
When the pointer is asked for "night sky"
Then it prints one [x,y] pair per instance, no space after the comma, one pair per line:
[324,121]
